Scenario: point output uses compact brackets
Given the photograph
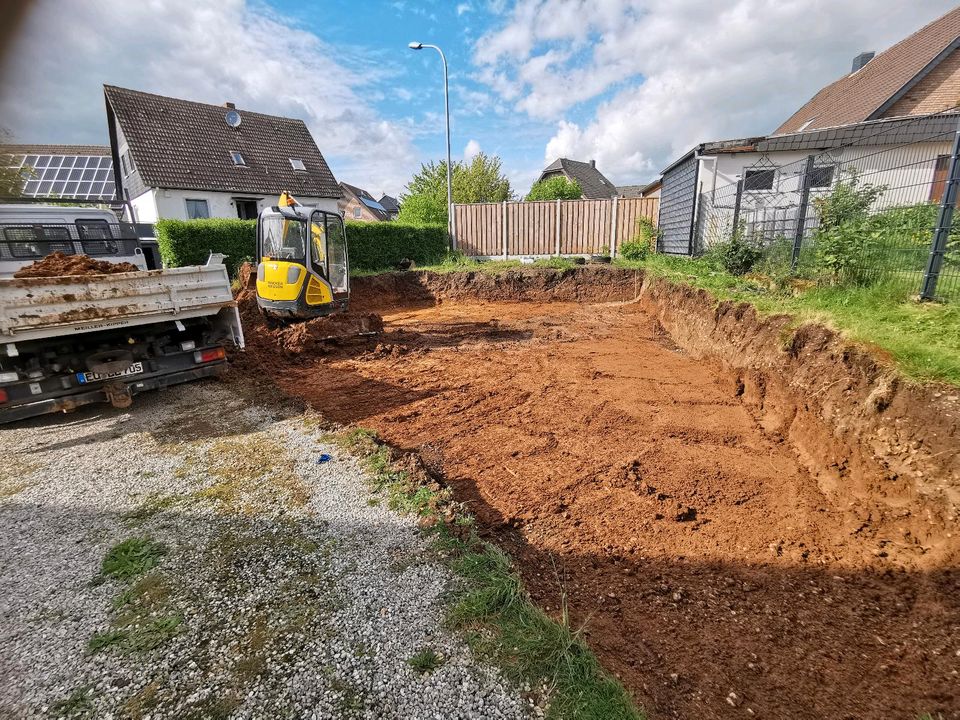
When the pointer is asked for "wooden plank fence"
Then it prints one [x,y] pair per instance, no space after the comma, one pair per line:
[552,227]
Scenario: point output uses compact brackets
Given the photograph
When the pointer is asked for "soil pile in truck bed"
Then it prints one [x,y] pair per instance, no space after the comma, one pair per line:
[60,264]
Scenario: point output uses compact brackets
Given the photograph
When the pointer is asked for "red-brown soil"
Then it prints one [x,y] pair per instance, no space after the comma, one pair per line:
[693,514]
[59,264]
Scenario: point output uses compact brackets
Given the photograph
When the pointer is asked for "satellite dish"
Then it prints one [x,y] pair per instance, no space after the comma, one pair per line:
[233,118]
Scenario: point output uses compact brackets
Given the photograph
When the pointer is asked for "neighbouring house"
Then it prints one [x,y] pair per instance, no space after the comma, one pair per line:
[357,204]
[391,205]
[180,159]
[891,120]
[650,190]
[920,75]
[592,182]
[64,172]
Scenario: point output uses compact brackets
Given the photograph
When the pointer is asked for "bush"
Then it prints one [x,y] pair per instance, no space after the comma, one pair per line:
[738,254]
[644,241]
[842,238]
[371,245]
[380,246]
[634,250]
[557,187]
[190,242]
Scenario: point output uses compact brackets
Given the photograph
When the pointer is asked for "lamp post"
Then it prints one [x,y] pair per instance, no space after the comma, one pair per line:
[451,223]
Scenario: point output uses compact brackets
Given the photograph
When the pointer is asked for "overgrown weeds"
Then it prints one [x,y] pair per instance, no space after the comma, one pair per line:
[425,660]
[132,557]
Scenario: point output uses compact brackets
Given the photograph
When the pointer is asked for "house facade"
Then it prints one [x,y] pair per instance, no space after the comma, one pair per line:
[889,122]
[358,204]
[593,184]
[179,159]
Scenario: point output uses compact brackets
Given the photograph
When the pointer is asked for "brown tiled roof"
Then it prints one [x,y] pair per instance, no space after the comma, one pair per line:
[593,184]
[862,95]
[55,149]
[188,145]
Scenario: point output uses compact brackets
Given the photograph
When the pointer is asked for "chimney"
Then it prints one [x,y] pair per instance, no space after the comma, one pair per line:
[593,163]
[862,59]
[230,105]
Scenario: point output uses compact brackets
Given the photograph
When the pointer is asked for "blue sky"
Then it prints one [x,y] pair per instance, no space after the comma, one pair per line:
[630,83]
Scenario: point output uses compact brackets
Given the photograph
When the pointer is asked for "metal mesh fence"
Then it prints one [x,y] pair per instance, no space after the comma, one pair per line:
[861,213]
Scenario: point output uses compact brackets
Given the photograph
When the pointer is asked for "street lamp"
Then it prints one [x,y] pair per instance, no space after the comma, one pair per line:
[451,224]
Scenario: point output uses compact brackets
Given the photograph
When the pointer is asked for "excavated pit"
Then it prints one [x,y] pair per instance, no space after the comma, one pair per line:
[750,520]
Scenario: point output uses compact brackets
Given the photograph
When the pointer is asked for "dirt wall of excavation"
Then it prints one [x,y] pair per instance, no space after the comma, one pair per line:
[749,519]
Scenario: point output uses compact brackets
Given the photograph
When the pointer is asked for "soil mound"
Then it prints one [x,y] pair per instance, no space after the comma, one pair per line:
[60,264]
[268,341]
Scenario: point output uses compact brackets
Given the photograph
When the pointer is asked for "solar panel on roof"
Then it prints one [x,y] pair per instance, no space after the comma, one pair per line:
[373,204]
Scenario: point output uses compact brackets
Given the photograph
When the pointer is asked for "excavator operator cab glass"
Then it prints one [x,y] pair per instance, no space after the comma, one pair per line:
[283,239]
[338,270]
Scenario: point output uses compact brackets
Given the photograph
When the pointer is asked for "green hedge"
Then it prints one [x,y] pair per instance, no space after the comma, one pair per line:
[381,245]
[372,245]
[190,242]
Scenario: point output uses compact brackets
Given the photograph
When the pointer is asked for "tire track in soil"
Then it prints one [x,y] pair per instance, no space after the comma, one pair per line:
[713,575]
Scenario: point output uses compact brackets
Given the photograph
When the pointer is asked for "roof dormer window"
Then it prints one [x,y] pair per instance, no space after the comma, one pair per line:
[297,164]
[238,159]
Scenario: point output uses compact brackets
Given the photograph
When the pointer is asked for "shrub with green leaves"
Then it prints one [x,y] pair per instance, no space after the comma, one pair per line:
[371,246]
[842,238]
[380,246]
[556,187]
[190,242]
[643,242]
[737,255]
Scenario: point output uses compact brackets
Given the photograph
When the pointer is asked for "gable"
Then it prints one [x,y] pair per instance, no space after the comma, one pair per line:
[870,92]
[938,90]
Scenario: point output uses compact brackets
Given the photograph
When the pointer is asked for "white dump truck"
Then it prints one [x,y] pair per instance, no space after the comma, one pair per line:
[67,341]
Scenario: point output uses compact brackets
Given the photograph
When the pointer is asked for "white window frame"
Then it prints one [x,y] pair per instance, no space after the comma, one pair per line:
[234,154]
[357,212]
[297,164]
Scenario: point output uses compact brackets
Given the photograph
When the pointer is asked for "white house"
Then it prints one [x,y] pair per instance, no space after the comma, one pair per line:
[183,160]
[890,121]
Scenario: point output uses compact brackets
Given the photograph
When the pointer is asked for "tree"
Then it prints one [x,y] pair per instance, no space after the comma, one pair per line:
[11,181]
[556,187]
[480,180]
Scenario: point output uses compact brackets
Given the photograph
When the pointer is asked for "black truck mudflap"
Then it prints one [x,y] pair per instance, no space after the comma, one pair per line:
[109,392]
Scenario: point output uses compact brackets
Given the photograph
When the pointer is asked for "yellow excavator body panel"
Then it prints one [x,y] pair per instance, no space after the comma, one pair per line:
[318,292]
[276,285]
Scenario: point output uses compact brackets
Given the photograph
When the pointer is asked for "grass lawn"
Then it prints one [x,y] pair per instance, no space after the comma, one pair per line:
[923,339]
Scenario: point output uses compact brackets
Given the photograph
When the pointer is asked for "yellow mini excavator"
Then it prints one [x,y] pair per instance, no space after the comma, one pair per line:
[302,266]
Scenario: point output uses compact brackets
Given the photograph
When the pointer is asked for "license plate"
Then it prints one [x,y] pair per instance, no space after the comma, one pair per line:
[89,377]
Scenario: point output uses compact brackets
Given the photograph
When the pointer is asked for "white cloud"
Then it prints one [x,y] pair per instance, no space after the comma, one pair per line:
[463,8]
[470,151]
[672,74]
[205,50]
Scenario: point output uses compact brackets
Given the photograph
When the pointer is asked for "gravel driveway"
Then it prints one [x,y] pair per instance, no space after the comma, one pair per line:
[247,579]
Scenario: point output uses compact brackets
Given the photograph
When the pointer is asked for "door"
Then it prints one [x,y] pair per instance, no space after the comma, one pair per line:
[940,170]
[338,270]
[246,209]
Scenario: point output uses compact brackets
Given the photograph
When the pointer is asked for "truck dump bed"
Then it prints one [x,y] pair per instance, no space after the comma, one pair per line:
[39,308]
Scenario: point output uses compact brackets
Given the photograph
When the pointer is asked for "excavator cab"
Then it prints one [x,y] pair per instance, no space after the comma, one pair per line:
[302,266]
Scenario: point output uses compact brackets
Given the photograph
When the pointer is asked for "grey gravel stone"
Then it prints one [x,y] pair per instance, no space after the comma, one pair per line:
[295,596]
